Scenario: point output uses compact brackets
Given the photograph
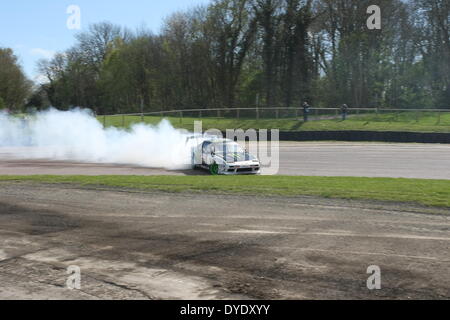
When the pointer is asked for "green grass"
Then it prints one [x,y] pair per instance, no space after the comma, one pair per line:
[405,121]
[420,191]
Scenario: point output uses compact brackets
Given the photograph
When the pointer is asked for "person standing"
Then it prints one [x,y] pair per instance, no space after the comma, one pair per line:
[306,111]
[344,111]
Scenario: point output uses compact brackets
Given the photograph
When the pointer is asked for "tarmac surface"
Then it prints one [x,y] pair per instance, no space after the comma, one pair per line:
[431,161]
[137,245]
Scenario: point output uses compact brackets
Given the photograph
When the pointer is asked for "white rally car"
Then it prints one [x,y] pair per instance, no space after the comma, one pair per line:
[223,157]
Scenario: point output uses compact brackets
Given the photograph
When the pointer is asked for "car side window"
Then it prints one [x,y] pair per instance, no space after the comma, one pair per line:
[206,146]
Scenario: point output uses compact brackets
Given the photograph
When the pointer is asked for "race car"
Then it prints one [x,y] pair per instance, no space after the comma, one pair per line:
[223,157]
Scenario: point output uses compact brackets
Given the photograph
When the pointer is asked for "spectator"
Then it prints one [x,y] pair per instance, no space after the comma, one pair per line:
[306,110]
[344,112]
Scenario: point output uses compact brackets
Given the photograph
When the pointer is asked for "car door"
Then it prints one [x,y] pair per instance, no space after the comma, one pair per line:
[206,153]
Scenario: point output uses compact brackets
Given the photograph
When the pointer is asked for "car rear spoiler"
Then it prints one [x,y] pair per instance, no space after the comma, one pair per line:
[194,137]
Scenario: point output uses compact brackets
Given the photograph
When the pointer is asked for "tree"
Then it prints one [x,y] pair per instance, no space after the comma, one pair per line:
[296,60]
[267,12]
[2,104]
[434,44]
[14,86]
[94,44]
[74,75]
[229,52]
[232,28]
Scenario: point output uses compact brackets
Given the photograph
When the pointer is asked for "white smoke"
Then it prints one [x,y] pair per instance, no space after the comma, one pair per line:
[76,135]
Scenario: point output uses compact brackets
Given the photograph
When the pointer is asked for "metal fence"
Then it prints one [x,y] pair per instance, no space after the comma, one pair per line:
[287,114]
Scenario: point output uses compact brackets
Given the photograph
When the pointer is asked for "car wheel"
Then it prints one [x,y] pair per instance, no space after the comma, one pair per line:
[214,169]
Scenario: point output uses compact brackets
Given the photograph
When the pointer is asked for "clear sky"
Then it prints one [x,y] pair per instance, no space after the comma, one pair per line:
[37,29]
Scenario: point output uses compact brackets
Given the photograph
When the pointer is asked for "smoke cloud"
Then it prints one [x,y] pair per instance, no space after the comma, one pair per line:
[76,135]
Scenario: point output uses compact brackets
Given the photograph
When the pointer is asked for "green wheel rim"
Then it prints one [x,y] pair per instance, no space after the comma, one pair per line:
[214,169]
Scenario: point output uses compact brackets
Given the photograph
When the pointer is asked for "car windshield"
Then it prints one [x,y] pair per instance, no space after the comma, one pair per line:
[233,152]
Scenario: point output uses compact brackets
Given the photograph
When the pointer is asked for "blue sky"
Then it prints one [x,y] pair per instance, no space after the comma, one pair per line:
[37,29]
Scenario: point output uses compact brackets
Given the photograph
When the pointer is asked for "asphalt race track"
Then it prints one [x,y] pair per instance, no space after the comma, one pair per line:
[423,161]
[430,161]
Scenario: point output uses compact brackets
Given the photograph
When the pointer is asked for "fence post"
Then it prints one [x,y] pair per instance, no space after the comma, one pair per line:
[439,117]
[277,113]
[257,106]
[181,117]
[123,120]
[238,113]
[104,121]
[142,109]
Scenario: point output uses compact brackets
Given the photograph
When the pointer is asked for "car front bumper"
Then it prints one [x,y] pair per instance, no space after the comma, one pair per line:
[241,169]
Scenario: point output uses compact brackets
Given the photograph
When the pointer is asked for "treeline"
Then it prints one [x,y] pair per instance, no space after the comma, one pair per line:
[274,53]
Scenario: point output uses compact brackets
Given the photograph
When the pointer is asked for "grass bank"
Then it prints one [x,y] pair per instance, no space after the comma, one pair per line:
[405,122]
[420,191]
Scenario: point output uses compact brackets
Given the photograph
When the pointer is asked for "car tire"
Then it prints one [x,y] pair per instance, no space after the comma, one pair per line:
[214,169]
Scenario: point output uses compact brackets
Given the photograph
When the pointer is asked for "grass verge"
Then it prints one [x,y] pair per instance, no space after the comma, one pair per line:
[420,191]
[404,122]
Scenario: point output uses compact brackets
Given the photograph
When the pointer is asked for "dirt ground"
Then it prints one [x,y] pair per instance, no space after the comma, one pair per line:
[138,245]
